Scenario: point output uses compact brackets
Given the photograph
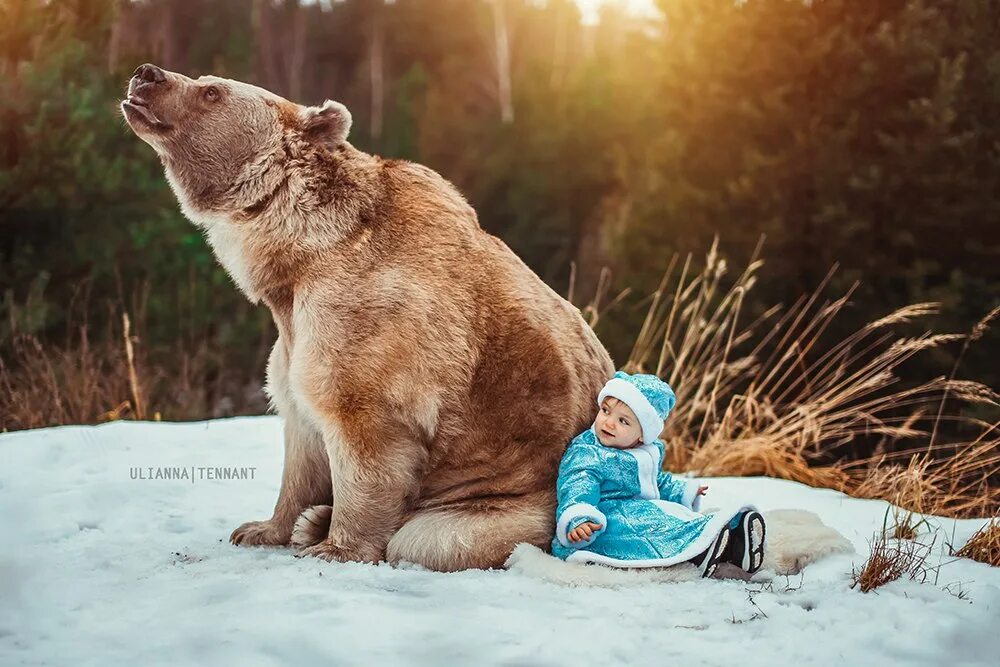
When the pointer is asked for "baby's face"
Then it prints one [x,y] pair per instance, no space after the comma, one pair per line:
[616,425]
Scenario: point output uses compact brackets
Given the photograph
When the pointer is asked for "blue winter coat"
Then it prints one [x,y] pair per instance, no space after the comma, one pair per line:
[648,517]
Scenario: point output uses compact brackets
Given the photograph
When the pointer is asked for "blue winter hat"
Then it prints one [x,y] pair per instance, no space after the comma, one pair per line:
[649,397]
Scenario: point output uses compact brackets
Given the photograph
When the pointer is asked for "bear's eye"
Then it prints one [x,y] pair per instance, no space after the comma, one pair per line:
[211,93]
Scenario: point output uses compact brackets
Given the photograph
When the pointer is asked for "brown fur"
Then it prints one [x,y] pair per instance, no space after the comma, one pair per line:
[428,379]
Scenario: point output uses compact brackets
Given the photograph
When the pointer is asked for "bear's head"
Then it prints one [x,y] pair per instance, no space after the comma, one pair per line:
[225,144]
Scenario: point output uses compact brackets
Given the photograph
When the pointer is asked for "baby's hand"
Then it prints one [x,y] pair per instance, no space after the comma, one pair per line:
[583,531]
[702,490]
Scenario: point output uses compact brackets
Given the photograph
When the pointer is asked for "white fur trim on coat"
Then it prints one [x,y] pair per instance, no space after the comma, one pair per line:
[577,511]
[647,458]
[691,497]
[677,510]
[630,395]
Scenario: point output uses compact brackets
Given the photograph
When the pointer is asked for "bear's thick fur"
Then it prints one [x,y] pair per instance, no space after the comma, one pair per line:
[429,381]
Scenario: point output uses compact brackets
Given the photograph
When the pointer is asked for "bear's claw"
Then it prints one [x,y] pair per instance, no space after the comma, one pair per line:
[259,533]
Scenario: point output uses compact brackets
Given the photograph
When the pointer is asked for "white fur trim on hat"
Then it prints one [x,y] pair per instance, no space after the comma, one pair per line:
[629,394]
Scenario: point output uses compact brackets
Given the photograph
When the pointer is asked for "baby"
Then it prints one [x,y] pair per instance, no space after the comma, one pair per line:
[616,506]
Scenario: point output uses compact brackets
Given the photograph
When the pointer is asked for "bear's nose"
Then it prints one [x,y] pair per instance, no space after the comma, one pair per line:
[149,73]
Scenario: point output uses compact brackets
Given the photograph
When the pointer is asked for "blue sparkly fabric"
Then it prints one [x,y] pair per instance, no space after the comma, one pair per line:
[648,516]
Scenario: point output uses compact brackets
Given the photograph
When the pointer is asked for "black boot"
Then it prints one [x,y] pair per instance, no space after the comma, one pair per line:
[709,559]
[746,543]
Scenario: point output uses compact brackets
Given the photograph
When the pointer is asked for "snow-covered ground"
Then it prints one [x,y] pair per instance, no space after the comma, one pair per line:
[101,565]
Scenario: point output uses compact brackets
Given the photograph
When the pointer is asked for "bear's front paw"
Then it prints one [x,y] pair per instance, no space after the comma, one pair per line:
[330,551]
[260,533]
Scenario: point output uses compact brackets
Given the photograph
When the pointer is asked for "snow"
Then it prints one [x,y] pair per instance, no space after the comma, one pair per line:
[98,568]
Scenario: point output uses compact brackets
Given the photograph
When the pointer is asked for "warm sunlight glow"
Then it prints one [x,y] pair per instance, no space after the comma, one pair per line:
[590,9]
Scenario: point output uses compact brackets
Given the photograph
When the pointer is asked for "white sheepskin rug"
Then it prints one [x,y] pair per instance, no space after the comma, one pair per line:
[795,538]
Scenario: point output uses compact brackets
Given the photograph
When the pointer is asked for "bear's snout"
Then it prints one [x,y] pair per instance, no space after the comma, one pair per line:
[149,73]
[144,78]
[145,81]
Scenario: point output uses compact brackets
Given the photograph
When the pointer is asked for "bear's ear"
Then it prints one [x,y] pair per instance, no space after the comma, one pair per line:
[328,123]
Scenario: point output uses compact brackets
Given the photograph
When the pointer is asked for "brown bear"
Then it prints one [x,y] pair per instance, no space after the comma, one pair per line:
[428,380]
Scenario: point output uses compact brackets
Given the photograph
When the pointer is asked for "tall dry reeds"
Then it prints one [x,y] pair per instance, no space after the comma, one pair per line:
[768,395]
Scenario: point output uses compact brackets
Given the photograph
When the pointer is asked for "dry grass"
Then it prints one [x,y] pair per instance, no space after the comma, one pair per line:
[770,396]
[906,524]
[891,560]
[117,377]
[78,383]
[984,546]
